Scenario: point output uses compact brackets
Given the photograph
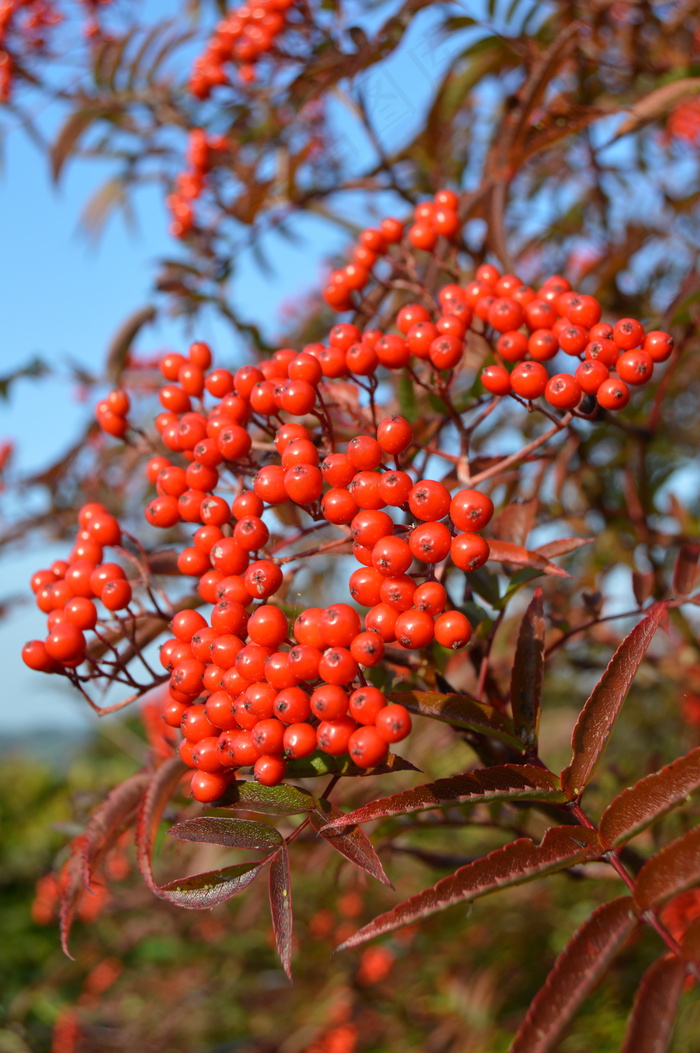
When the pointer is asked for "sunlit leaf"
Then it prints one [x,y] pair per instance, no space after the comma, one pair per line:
[673,869]
[461,711]
[504,782]
[353,844]
[601,710]
[281,906]
[233,833]
[650,799]
[504,552]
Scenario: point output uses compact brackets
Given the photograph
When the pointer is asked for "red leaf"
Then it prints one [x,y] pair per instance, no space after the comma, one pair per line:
[461,711]
[516,863]
[504,782]
[563,546]
[675,868]
[528,673]
[115,815]
[574,974]
[685,569]
[202,891]
[691,941]
[504,552]
[645,802]
[353,844]
[597,718]
[655,1007]
[233,833]
[281,906]
[157,795]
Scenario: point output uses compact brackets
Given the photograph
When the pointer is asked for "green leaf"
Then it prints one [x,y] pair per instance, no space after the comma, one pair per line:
[461,711]
[269,800]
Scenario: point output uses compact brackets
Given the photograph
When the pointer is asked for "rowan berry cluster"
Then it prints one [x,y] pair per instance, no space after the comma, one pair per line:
[27,21]
[535,326]
[431,220]
[69,592]
[241,39]
[203,153]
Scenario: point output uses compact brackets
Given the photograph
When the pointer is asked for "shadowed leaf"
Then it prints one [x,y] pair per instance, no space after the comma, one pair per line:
[353,844]
[601,710]
[645,802]
[269,800]
[528,673]
[516,863]
[320,763]
[505,782]
[202,891]
[461,711]
[233,833]
[574,974]
[515,521]
[674,869]
[691,941]
[685,569]
[281,906]
[504,552]
[159,792]
[121,342]
[68,137]
[655,1007]
[115,815]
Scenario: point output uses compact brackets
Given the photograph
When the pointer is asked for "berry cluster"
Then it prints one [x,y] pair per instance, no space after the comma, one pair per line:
[242,38]
[27,20]
[431,220]
[111,413]
[69,592]
[534,326]
[203,152]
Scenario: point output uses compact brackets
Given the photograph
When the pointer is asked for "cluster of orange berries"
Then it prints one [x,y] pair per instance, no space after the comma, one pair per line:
[242,38]
[37,16]
[69,591]
[533,327]
[203,152]
[266,703]
[431,220]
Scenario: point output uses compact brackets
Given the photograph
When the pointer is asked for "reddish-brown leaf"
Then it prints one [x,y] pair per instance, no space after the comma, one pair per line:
[600,712]
[528,673]
[461,711]
[515,521]
[657,104]
[691,942]
[503,782]
[232,833]
[281,906]
[675,868]
[653,1015]
[563,546]
[504,552]
[645,802]
[159,792]
[353,844]
[115,815]
[685,569]
[516,863]
[574,974]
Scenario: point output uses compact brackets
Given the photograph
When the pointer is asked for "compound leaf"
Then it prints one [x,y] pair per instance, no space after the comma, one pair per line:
[516,863]
[649,799]
[601,710]
[574,974]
